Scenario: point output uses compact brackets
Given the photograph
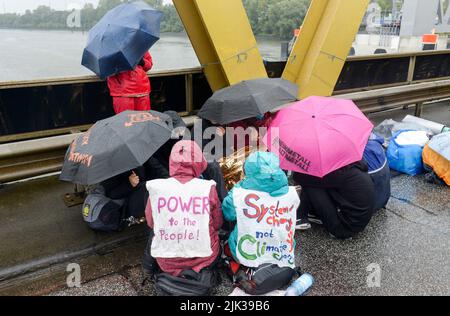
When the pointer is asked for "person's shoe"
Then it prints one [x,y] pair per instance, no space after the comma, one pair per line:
[149,264]
[314,219]
[302,224]
[334,237]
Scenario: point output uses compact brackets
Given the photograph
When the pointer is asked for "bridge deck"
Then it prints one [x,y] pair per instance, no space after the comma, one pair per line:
[410,241]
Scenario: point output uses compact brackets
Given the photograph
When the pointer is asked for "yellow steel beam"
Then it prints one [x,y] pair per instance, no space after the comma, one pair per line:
[202,44]
[223,40]
[322,47]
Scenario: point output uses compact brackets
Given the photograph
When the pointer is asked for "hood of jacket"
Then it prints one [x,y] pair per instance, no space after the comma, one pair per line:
[263,173]
[186,161]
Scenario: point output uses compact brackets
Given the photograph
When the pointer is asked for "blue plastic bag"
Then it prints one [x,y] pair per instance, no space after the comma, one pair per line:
[405,158]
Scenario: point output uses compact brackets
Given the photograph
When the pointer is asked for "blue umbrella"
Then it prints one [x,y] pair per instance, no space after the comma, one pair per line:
[121,38]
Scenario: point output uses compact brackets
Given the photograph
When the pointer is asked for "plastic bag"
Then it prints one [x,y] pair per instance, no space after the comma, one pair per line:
[406,158]
[388,128]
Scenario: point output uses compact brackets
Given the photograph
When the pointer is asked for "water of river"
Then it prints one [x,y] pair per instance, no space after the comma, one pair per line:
[27,55]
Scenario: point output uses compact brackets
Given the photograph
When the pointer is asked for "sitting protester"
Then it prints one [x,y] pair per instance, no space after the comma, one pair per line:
[212,139]
[343,201]
[162,157]
[185,214]
[264,208]
[375,157]
[129,186]
[158,167]
[258,124]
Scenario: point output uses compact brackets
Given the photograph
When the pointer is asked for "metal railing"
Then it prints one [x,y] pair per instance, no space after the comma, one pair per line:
[83,100]
[27,158]
[362,73]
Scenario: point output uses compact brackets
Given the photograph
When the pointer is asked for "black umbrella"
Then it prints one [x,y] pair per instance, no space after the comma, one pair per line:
[115,145]
[248,99]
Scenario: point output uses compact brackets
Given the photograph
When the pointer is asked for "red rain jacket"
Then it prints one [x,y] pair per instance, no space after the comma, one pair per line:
[184,170]
[132,83]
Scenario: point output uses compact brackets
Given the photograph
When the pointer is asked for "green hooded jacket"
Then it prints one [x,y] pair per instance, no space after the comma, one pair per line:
[262,173]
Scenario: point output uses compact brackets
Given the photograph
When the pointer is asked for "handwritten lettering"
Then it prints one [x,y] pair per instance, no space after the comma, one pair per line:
[180,236]
[86,137]
[83,159]
[273,238]
[195,205]
[140,118]
[251,249]
[260,212]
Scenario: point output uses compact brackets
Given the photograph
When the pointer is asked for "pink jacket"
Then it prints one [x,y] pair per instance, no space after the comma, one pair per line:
[183,169]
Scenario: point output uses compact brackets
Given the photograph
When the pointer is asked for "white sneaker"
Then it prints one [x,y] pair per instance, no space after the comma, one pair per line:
[314,219]
[302,224]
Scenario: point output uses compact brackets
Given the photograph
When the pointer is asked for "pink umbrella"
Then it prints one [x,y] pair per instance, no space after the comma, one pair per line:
[318,135]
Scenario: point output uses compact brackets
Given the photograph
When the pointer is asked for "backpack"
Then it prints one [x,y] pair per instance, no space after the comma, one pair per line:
[101,213]
[257,281]
[188,283]
[264,279]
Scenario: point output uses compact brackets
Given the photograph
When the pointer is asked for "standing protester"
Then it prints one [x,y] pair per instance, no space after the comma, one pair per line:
[130,90]
[185,213]
[343,201]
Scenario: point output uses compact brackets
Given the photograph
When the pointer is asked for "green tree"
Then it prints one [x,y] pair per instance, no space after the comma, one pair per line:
[105,5]
[171,21]
[88,16]
[157,4]
[267,17]
[276,17]
[385,5]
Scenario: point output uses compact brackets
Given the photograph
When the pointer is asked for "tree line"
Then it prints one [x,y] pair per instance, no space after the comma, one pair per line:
[44,17]
[277,18]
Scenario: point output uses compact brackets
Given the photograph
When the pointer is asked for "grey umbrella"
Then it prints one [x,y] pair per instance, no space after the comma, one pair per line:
[115,145]
[248,99]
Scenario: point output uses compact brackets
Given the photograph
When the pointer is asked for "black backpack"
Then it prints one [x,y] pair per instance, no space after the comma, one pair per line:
[188,283]
[264,279]
[102,213]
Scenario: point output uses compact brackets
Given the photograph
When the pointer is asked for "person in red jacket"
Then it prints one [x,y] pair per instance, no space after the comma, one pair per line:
[130,90]
[185,215]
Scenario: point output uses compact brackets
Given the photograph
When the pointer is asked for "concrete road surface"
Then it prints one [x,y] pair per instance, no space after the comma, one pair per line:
[408,243]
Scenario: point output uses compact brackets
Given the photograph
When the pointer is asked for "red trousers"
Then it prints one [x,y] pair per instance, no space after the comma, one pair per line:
[122,104]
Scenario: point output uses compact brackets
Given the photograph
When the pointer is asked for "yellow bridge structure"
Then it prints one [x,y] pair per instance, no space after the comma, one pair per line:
[226,47]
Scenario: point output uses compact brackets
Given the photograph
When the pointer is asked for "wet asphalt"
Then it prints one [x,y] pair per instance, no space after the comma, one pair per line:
[408,243]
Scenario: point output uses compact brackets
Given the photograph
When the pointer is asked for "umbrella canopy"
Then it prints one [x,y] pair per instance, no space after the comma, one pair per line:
[115,145]
[121,38]
[248,99]
[318,135]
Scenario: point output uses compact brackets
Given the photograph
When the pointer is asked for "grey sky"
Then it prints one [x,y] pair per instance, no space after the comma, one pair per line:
[20,6]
